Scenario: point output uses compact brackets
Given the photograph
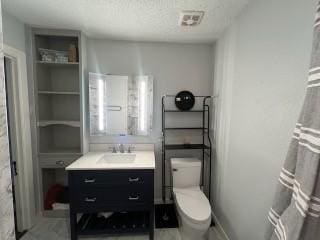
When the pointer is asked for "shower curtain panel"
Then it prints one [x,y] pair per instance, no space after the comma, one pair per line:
[295,213]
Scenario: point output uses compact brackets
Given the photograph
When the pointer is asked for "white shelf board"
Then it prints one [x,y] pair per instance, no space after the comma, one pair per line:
[58,63]
[59,92]
[45,123]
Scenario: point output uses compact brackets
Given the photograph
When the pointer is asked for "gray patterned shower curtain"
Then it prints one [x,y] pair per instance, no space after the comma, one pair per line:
[295,213]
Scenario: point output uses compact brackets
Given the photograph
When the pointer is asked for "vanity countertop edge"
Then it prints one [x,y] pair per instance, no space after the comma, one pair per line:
[144,160]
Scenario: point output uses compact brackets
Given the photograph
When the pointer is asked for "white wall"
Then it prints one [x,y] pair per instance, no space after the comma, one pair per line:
[175,67]
[261,67]
[13,32]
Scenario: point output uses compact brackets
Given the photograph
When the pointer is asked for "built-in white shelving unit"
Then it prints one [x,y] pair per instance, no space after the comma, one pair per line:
[59,103]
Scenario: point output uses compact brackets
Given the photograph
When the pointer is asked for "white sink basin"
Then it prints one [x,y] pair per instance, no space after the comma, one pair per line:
[117,158]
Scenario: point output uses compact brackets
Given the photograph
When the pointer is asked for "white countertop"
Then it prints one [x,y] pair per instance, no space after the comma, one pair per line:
[89,161]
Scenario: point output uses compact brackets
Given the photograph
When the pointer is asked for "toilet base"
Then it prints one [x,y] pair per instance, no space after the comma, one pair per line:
[191,231]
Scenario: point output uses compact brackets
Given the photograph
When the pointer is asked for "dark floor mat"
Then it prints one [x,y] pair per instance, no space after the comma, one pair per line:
[165,216]
[213,224]
[20,234]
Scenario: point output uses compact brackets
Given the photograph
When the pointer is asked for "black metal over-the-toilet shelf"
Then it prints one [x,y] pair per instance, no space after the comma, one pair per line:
[205,145]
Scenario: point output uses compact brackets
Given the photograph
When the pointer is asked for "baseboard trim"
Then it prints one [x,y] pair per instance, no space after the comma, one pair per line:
[219,228]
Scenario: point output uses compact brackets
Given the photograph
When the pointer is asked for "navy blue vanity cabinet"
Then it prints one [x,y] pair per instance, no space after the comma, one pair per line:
[127,193]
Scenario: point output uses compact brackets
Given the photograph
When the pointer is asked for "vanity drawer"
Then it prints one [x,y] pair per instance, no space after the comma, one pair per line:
[111,178]
[107,197]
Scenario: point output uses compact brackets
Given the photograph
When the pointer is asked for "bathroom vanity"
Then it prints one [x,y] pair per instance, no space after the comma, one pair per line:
[120,183]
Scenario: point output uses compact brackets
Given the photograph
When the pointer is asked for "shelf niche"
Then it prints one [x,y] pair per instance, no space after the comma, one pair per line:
[50,178]
[59,139]
[57,78]
[59,107]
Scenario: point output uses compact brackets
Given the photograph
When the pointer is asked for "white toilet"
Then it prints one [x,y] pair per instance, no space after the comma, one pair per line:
[194,210]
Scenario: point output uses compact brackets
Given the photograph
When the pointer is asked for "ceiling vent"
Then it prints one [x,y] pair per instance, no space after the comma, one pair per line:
[190,18]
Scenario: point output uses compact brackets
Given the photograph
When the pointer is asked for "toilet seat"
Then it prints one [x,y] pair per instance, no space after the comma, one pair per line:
[193,204]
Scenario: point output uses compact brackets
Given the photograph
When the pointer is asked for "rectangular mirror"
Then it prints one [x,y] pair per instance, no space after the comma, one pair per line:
[120,105]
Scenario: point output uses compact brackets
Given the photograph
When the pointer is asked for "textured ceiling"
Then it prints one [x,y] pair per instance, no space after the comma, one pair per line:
[140,20]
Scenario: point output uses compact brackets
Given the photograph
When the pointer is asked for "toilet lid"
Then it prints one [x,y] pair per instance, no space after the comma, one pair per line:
[193,204]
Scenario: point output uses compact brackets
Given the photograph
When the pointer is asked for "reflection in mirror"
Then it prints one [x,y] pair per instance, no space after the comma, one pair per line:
[120,105]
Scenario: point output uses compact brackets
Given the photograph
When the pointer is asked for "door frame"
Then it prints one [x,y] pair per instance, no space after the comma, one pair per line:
[21,111]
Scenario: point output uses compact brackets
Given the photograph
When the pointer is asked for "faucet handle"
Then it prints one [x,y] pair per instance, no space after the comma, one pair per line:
[130,148]
[114,150]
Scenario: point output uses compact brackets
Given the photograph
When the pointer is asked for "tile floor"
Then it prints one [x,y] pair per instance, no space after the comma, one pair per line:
[58,229]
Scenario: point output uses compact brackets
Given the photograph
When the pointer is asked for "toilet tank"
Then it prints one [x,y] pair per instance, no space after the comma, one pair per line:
[185,172]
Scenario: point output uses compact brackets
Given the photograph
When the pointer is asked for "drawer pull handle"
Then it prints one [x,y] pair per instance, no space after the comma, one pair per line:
[90,199]
[134,198]
[60,163]
[92,180]
[134,179]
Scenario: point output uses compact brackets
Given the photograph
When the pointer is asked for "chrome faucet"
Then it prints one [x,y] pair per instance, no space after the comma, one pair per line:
[114,150]
[121,148]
